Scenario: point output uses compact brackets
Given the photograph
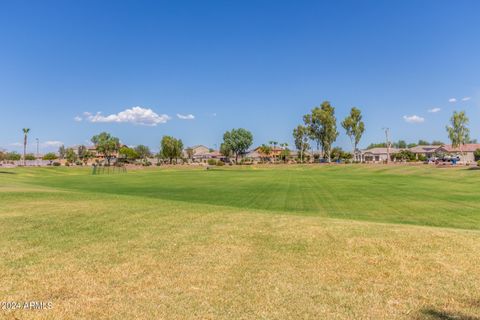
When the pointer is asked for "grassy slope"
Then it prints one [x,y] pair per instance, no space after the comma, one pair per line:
[117,253]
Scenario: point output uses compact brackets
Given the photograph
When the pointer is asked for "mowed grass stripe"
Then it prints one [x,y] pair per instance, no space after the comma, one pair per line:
[416,195]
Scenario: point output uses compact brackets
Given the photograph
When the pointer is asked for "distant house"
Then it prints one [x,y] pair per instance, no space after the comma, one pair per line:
[202,154]
[425,151]
[377,155]
[465,152]
[257,155]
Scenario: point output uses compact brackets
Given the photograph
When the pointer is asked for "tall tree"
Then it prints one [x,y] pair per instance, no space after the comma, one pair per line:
[300,136]
[62,151]
[238,141]
[458,130]
[322,126]
[106,144]
[171,148]
[143,152]
[226,151]
[25,140]
[70,155]
[354,127]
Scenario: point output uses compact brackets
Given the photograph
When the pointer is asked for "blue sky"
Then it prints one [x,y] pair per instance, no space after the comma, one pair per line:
[260,65]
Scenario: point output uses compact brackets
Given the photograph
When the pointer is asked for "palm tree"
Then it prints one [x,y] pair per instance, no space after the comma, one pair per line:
[274,143]
[266,150]
[25,139]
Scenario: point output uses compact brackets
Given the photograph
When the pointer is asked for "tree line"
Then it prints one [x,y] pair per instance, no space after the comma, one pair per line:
[319,126]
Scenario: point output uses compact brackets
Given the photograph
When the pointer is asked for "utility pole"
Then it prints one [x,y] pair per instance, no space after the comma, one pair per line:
[387,133]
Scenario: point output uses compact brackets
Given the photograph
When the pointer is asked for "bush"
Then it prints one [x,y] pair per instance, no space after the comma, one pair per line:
[67,164]
[476,154]
[212,162]
[478,163]
[56,164]
[146,164]
[220,163]
[79,163]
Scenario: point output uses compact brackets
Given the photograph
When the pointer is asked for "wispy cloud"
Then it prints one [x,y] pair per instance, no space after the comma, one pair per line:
[466,98]
[434,110]
[135,115]
[53,143]
[77,118]
[15,144]
[214,114]
[452,100]
[185,116]
[413,119]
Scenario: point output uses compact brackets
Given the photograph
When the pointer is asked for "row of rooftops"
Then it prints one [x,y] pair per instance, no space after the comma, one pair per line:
[201,151]
[447,148]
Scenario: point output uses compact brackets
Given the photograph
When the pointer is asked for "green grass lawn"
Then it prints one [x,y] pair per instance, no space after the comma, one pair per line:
[337,242]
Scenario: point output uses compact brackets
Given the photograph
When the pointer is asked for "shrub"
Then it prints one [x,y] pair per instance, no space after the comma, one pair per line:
[79,163]
[56,164]
[212,162]
[220,163]
[30,156]
[476,154]
[67,164]
[478,163]
[146,164]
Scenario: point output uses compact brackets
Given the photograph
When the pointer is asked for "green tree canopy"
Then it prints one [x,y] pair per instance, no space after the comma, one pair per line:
[50,157]
[127,153]
[423,142]
[402,144]
[171,148]
[143,151]
[237,141]
[300,137]
[62,151]
[354,127]
[13,156]
[458,130]
[322,126]
[70,155]
[30,156]
[106,144]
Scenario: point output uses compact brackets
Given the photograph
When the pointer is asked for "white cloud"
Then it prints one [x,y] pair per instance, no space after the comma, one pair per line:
[77,118]
[466,98]
[434,110]
[452,100]
[214,114]
[413,119]
[53,143]
[135,115]
[185,116]
[15,144]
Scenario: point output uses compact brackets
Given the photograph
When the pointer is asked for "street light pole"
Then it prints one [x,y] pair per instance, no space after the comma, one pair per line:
[387,133]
